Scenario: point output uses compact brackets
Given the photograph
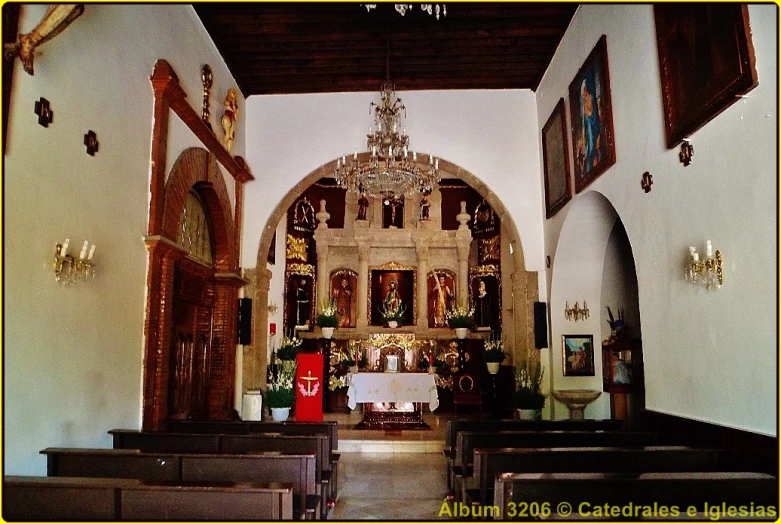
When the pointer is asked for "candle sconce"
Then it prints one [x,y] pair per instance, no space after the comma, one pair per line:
[708,272]
[576,313]
[69,269]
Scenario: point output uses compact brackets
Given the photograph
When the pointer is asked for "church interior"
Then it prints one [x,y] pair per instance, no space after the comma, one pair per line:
[536,261]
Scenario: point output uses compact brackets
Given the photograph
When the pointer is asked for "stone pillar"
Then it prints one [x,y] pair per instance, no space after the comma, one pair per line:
[422,253]
[463,241]
[350,212]
[322,293]
[362,321]
[521,351]
[260,326]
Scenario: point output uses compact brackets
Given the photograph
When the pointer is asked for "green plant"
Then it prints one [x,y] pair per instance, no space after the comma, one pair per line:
[278,396]
[493,351]
[393,314]
[327,316]
[528,395]
[289,347]
[460,317]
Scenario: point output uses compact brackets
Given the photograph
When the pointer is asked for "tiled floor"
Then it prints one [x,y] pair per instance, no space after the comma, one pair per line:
[390,486]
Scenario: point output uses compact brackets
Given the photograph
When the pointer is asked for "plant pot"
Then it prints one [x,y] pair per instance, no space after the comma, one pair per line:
[462,332]
[280,414]
[393,324]
[493,367]
[328,332]
[528,414]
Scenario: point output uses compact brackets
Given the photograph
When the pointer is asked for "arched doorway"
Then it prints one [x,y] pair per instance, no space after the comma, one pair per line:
[192,287]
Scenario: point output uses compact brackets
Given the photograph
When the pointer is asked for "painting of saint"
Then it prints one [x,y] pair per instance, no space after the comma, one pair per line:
[343,285]
[392,290]
[441,297]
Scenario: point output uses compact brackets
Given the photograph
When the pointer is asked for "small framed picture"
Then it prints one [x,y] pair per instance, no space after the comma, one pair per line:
[577,355]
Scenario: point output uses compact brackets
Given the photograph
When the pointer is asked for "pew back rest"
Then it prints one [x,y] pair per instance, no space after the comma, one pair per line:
[43,498]
[454,426]
[154,441]
[111,463]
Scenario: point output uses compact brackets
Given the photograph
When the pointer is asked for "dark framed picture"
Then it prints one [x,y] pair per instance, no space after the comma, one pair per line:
[706,60]
[392,289]
[591,118]
[577,359]
[555,161]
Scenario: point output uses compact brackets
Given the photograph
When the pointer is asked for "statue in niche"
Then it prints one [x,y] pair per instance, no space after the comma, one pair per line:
[302,303]
[363,206]
[425,207]
[342,296]
[483,306]
[442,301]
[393,213]
[392,300]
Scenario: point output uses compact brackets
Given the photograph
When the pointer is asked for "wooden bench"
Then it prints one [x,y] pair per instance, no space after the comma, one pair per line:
[588,491]
[107,499]
[467,441]
[454,426]
[182,468]
[155,441]
[489,463]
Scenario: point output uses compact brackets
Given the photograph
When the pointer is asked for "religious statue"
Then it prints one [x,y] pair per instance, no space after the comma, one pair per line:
[229,118]
[425,207]
[392,300]
[302,303]
[363,205]
[483,308]
[443,301]
[54,21]
[343,297]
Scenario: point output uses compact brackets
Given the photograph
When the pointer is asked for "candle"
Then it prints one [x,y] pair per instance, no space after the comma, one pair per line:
[344,160]
[708,249]
[84,250]
[355,155]
[436,163]
[91,252]
[356,358]
[65,247]
[414,156]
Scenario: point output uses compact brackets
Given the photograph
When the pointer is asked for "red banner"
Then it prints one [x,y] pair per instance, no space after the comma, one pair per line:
[309,387]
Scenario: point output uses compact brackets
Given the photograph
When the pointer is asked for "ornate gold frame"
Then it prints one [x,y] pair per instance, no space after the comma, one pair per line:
[302,270]
[394,266]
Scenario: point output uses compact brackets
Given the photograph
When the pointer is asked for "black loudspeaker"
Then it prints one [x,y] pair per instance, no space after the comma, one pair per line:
[244,331]
[540,325]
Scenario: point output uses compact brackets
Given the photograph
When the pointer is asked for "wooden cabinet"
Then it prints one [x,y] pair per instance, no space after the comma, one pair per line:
[622,376]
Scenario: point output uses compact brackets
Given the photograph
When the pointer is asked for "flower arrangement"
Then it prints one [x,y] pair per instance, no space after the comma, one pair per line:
[327,317]
[289,347]
[460,317]
[494,350]
[528,395]
[393,314]
[335,382]
[280,393]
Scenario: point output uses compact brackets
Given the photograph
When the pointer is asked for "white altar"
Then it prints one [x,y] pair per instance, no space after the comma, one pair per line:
[395,389]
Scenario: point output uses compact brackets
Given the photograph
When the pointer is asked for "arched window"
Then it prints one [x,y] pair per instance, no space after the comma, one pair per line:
[194,233]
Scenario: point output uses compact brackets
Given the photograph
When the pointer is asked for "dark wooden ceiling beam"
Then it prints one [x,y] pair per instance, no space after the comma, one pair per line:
[293,87]
[343,64]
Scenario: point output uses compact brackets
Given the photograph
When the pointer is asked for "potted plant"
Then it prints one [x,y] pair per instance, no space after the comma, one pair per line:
[327,319]
[393,315]
[288,349]
[279,398]
[528,399]
[461,319]
[493,356]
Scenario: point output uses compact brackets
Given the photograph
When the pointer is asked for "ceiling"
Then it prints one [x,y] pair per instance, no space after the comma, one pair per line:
[275,48]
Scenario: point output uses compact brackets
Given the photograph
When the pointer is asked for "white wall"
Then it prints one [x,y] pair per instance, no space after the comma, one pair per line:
[709,356]
[492,134]
[73,354]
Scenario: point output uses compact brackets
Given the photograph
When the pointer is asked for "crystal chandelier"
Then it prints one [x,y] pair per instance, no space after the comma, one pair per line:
[402,8]
[392,170]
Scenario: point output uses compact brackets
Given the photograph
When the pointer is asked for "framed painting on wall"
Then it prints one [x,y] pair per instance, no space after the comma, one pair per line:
[392,288]
[591,118]
[706,61]
[555,161]
[577,355]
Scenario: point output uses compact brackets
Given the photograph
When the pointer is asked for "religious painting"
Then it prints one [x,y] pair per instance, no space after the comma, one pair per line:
[299,297]
[706,61]
[591,118]
[485,293]
[392,290]
[488,250]
[304,216]
[484,220]
[577,355]
[555,161]
[343,293]
[441,296]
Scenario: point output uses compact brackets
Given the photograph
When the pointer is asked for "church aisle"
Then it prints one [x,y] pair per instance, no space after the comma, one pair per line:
[390,486]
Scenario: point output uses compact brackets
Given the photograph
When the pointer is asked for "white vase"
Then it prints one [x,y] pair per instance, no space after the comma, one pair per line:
[328,332]
[393,324]
[493,367]
[528,414]
[461,332]
[280,414]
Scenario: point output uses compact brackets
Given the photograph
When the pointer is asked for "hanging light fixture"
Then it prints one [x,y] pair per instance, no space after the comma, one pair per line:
[432,9]
[392,170]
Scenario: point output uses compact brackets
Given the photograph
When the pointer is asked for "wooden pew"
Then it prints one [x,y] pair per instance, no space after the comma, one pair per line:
[587,491]
[454,426]
[467,441]
[489,463]
[183,468]
[107,499]
[155,441]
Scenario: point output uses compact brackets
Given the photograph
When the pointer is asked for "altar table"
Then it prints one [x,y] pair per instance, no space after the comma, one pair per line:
[396,388]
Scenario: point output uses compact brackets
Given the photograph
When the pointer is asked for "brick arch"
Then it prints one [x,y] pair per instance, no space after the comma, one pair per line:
[197,169]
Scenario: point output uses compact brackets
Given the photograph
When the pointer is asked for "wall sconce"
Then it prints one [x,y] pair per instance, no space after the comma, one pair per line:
[708,272]
[68,269]
[576,312]
[273,308]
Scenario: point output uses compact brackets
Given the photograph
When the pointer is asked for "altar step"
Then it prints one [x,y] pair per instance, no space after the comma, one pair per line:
[390,446]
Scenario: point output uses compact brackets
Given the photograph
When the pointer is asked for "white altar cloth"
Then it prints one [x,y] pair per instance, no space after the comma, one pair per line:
[392,387]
